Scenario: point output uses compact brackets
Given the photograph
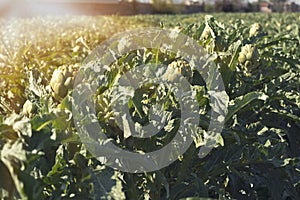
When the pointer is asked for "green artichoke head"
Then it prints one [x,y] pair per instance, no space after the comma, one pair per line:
[254,29]
[248,53]
[62,81]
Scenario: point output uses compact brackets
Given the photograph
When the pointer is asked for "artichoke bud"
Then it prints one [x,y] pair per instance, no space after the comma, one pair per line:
[62,80]
[255,28]
[28,108]
[178,68]
[248,53]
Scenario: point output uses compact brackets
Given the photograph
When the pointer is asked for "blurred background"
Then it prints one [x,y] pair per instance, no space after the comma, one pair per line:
[29,8]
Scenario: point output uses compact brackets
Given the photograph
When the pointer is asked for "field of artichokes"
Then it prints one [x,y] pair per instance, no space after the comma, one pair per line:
[256,155]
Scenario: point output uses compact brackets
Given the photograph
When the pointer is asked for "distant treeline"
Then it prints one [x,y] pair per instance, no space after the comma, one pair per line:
[27,9]
[134,7]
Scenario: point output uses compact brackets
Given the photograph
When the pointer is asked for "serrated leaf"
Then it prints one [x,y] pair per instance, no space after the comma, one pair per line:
[239,103]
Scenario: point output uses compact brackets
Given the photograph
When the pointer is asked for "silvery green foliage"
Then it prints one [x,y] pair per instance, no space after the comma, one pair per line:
[256,156]
[124,83]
